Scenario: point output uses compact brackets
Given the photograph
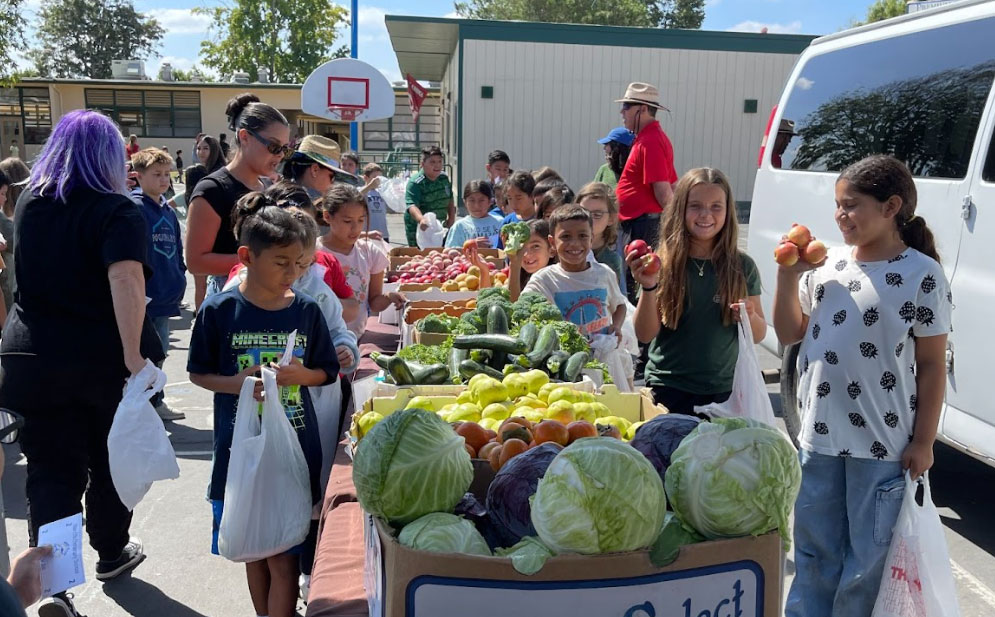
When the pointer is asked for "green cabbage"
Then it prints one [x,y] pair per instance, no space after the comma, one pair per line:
[599,495]
[441,532]
[528,556]
[734,477]
[411,464]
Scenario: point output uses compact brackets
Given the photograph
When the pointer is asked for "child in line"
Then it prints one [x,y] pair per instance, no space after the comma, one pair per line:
[541,188]
[350,163]
[598,199]
[872,320]
[169,281]
[587,294]
[536,254]
[375,203]
[688,311]
[498,167]
[553,199]
[363,261]
[519,189]
[246,327]
[478,223]
[429,190]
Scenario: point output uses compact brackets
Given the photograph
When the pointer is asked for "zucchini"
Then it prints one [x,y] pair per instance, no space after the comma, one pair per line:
[455,357]
[493,342]
[556,361]
[528,334]
[574,365]
[400,371]
[547,342]
[513,367]
[380,359]
[497,320]
[469,368]
[430,375]
[498,360]
[482,356]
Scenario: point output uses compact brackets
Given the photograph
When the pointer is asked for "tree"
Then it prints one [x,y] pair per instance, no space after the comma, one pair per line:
[289,37]
[886,9]
[181,75]
[80,38]
[640,13]
[12,26]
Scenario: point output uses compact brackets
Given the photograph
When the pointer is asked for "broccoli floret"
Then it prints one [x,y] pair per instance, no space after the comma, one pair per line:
[473,320]
[490,297]
[515,235]
[571,340]
[464,327]
[440,324]
[427,354]
[522,310]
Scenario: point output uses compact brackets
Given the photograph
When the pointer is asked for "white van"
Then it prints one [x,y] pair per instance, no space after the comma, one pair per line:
[919,87]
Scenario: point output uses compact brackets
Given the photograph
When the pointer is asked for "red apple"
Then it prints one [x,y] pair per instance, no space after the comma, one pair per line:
[814,252]
[639,247]
[786,254]
[799,235]
[651,263]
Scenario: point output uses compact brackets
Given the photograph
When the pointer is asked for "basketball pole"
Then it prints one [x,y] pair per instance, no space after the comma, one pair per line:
[354,127]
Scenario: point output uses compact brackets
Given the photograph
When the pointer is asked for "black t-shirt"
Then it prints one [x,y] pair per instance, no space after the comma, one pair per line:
[230,335]
[63,307]
[222,190]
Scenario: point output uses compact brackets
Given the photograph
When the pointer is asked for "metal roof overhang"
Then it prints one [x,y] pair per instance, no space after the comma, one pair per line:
[422,46]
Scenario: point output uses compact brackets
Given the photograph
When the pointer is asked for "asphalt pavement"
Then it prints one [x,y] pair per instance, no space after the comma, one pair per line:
[181,578]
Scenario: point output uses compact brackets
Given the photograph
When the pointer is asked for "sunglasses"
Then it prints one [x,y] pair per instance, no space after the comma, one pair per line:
[10,426]
[627,106]
[273,147]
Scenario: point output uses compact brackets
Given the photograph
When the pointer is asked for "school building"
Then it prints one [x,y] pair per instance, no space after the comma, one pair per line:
[171,114]
[545,93]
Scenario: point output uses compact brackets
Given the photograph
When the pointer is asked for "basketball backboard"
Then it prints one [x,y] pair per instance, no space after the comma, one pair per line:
[347,90]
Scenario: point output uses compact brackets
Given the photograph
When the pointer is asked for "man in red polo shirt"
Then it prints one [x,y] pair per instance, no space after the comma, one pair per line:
[647,180]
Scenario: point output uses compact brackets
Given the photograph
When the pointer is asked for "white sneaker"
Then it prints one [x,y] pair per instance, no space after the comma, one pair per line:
[166,414]
[305,586]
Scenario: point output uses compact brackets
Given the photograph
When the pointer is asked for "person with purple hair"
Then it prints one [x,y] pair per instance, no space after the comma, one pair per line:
[79,324]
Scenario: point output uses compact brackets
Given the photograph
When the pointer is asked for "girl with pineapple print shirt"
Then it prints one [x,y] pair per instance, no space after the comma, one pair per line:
[872,320]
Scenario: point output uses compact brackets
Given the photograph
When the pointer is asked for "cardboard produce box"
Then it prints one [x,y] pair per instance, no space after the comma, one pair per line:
[409,252]
[431,291]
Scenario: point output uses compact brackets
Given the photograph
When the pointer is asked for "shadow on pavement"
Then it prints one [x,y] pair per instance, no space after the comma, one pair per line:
[138,597]
[963,484]
[14,475]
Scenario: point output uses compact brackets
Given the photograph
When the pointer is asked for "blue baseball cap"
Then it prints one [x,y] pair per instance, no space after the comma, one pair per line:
[619,134]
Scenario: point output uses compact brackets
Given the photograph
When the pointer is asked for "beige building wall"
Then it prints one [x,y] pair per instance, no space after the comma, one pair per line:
[552,102]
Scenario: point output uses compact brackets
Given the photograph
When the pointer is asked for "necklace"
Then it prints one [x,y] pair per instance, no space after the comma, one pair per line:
[700,266]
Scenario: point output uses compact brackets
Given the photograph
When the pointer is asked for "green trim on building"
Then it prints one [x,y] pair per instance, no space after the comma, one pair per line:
[458,190]
[579,34]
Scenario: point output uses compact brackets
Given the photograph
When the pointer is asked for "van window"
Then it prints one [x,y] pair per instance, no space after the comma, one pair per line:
[918,96]
[988,172]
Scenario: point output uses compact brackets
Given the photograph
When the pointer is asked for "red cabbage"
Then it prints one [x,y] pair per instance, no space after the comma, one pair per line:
[509,493]
[658,438]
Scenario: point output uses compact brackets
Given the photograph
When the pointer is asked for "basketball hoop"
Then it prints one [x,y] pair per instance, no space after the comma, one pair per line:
[345,114]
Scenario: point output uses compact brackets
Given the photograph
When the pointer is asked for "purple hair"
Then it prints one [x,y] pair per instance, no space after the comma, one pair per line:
[85,150]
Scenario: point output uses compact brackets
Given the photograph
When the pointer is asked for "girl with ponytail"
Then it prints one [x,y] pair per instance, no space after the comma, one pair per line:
[872,321]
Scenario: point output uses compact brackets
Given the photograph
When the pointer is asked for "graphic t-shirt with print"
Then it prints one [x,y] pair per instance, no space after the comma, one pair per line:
[857,390]
[232,334]
[377,208]
[366,259]
[586,298]
[468,227]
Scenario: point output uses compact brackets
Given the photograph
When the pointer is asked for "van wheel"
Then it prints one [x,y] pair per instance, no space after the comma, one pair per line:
[789,392]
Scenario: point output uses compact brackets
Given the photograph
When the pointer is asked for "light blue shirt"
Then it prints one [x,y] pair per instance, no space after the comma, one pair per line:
[468,227]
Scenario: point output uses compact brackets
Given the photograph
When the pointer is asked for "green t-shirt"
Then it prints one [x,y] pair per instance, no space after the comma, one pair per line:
[699,356]
[429,196]
[606,175]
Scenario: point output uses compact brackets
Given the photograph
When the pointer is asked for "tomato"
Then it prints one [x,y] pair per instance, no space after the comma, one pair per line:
[489,447]
[469,450]
[494,458]
[551,430]
[579,429]
[474,434]
[510,449]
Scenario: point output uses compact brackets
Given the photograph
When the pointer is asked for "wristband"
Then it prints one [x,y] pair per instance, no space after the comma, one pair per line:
[645,288]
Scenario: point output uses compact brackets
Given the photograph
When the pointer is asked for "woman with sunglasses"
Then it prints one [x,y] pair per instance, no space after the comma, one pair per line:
[261,140]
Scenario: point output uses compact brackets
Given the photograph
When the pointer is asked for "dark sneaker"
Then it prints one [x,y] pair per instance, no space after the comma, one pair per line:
[131,556]
[59,605]
[166,413]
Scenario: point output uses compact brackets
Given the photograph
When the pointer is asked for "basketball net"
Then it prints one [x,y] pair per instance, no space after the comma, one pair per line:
[346,114]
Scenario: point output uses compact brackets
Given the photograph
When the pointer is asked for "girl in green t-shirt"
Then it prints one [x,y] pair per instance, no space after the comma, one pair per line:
[686,311]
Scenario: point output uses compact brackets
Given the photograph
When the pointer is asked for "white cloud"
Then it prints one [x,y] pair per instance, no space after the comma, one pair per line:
[181,21]
[452,15]
[804,84]
[712,3]
[794,27]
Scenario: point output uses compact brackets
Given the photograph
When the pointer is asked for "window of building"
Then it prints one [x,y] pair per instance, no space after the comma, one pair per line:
[33,107]
[149,113]
[918,96]
[402,131]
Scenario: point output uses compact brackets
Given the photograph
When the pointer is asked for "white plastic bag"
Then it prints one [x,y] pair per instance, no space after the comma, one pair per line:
[749,397]
[617,354]
[392,190]
[434,235]
[917,580]
[268,491]
[138,449]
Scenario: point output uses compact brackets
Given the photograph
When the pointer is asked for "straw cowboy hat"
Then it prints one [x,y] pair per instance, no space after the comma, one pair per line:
[642,94]
[324,152]
[787,127]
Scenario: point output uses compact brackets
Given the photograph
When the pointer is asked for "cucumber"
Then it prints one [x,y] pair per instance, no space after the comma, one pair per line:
[574,365]
[556,361]
[380,359]
[469,368]
[455,357]
[497,320]
[513,367]
[482,356]
[400,371]
[528,334]
[430,375]
[546,343]
[498,360]
[493,342]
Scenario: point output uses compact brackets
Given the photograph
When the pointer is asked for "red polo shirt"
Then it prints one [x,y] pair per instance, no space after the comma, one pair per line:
[650,160]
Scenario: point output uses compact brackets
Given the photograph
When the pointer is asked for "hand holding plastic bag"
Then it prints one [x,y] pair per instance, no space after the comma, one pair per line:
[268,490]
[917,580]
[749,397]
[434,235]
[392,191]
[138,449]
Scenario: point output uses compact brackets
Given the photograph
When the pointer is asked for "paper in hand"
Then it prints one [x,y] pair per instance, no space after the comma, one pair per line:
[63,569]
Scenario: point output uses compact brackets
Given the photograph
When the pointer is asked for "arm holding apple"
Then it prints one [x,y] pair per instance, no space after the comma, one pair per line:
[472,253]
[799,252]
[647,274]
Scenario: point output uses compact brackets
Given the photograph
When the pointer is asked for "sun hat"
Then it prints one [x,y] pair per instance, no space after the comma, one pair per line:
[786,126]
[642,94]
[324,152]
[620,134]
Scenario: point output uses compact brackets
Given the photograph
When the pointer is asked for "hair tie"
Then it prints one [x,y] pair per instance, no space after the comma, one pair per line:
[911,220]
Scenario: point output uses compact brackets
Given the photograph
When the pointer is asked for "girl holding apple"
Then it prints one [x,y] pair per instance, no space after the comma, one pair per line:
[687,309]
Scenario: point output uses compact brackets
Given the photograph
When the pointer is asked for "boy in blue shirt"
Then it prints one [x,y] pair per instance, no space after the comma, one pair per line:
[478,223]
[168,282]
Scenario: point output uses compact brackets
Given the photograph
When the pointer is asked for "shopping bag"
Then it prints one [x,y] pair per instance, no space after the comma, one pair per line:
[268,490]
[392,190]
[749,397]
[138,449]
[917,579]
[434,235]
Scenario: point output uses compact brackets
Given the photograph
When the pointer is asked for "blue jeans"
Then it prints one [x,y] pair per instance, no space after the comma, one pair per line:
[215,284]
[161,325]
[844,516]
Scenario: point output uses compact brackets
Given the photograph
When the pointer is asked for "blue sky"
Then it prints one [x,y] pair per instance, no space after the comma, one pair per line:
[184,30]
